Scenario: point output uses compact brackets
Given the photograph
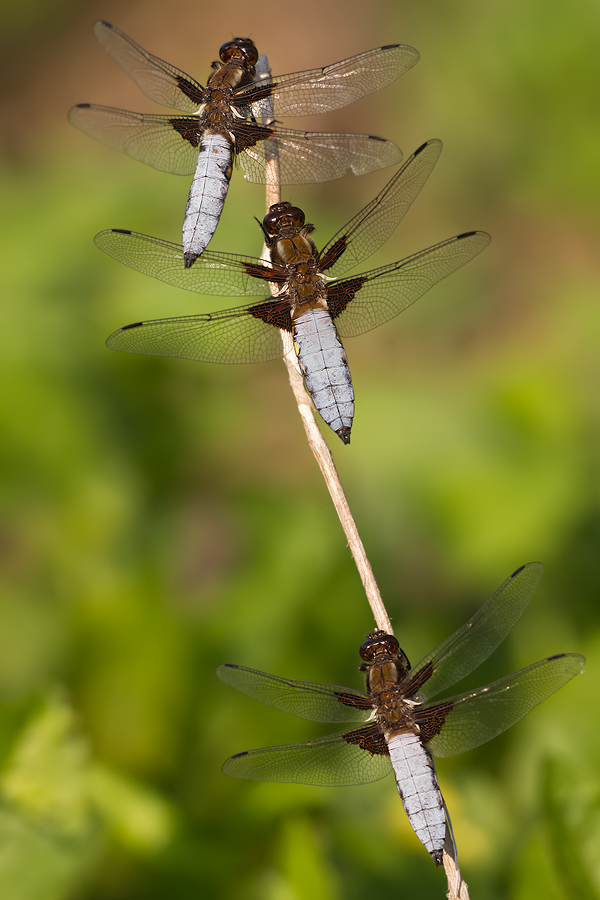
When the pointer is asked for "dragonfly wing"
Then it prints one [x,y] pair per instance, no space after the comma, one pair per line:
[474,641]
[338,760]
[223,274]
[150,139]
[312,157]
[317,91]
[162,82]
[315,702]
[361,303]
[478,716]
[247,334]
[373,225]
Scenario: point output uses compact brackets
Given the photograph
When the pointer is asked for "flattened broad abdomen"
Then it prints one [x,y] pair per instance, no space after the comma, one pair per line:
[325,369]
[419,791]
[207,195]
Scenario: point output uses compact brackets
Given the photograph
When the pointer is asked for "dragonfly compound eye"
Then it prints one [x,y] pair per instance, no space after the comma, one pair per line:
[281,215]
[376,642]
[239,47]
[248,48]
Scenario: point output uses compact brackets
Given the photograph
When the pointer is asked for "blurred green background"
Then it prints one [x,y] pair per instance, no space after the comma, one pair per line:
[161,517]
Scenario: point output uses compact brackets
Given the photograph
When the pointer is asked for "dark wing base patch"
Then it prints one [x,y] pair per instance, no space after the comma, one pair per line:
[340,294]
[274,312]
[430,721]
[190,90]
[354,701]
[370,739]
[248,134]
[188,129]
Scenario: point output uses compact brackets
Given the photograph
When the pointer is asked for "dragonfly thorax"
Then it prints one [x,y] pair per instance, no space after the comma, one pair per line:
[236,69]
[217,113]
[382,676]
[216,102]
[297,253]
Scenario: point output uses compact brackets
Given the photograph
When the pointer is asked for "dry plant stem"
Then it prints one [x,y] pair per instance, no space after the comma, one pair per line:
[322,454]
[316,441]
[457,888]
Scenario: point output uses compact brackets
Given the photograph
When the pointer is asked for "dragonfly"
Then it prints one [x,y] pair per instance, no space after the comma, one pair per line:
[404,726]
[220,123]
[304,294]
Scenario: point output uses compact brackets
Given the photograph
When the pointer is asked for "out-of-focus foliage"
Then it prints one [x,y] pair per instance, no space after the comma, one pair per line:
[160,517]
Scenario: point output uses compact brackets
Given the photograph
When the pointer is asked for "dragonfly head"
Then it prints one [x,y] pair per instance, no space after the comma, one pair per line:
[380,647]
[282,216]
[240,48]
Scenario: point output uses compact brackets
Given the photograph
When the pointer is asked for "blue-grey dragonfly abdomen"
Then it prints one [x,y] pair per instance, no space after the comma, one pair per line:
[207,195]
[325,369]
[419,791]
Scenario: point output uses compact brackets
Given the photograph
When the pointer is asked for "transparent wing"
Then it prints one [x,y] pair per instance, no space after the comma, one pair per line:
[223,274]
[331,87]
[159,80]
[150,139]
[242,335]
[372,226]
[312,157]
[304,157]
[471,644]
[366,301]
[338,760]
[304,699]
[480,715]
